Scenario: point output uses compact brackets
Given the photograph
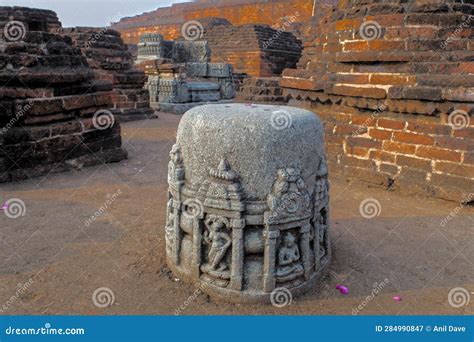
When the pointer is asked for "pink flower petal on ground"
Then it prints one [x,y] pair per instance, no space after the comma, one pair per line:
[342,289]
[397,298]
[5,207]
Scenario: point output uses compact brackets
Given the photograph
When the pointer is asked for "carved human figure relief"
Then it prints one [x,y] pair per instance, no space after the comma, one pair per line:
[218,240]
[289,259]
[323,233]
[169,229]
[175,166]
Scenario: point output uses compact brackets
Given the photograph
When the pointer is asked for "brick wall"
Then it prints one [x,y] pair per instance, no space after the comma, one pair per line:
[257,50]
[398,105]
[408,153]
[168,21]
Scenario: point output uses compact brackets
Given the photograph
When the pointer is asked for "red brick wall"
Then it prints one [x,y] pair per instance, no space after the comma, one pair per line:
[269,13]
[413,154]
[386,100]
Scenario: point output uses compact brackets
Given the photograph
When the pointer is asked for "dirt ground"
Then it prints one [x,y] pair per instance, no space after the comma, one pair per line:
[62,260]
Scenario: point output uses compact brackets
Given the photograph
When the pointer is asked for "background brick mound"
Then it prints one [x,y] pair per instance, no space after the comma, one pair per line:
[108,56]
[47,102]
[257,50]
[387,78]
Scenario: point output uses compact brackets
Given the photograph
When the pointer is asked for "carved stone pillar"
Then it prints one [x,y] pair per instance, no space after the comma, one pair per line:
[256,193]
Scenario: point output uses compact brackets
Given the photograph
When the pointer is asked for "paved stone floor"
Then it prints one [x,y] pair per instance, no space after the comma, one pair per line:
[52,259]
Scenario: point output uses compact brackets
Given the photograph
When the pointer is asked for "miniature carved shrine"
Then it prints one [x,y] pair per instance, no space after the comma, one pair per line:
[248,208]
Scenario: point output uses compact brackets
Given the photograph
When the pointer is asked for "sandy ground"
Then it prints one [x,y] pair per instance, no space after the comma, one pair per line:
[59,261]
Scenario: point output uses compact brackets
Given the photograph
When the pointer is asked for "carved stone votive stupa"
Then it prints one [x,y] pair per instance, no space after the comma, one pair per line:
[248,206]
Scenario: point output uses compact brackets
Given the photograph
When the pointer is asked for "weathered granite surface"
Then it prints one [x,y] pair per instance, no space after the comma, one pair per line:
[248,209]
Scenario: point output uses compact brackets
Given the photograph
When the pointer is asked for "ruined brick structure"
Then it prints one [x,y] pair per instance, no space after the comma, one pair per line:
[169,20]
[393,82]
[257,50]
[261,89]
[53,112]
[108,56]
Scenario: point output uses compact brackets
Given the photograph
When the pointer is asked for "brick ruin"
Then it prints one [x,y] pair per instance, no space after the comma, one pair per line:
[110,59]
[261,89]
[168,21]
[53,111]
[393,82]
[255,50]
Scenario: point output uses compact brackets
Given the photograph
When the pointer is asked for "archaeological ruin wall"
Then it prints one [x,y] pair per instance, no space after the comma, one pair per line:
[53,111]
[393,82]
[256,50]
[168,21]
[110,59]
